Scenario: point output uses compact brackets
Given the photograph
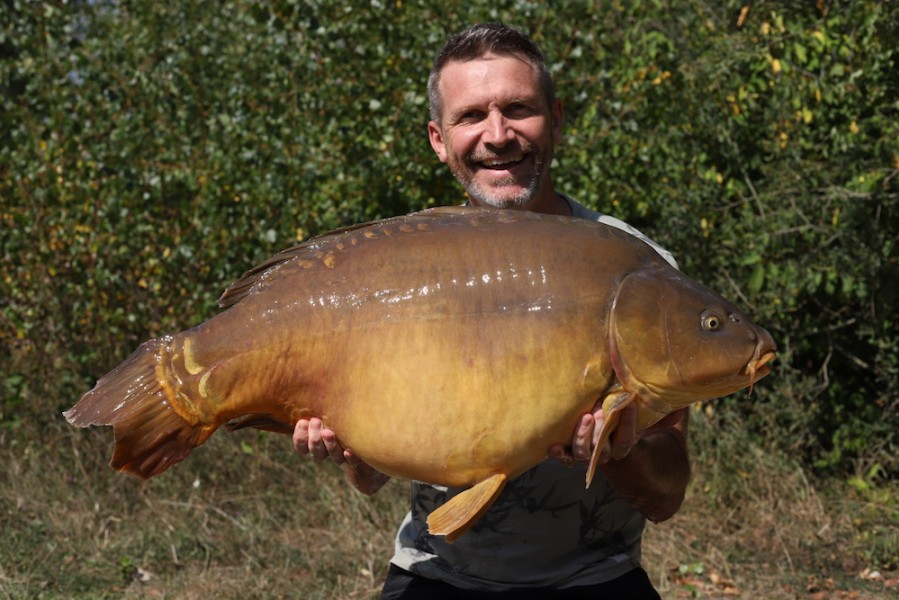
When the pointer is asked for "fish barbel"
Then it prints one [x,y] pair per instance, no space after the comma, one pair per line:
[452,346]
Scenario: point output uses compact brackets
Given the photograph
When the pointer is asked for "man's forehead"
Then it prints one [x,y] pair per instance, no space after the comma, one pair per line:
[458,76]
[486,59]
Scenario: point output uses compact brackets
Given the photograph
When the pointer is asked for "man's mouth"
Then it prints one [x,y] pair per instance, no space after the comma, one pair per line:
[500,164]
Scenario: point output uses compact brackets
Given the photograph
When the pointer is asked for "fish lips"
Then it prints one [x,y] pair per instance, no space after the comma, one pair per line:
[759,366]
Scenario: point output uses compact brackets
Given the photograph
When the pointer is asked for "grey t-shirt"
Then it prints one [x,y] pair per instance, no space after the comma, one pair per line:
[544,529]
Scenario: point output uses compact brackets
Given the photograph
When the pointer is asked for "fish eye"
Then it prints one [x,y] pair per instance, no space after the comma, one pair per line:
[711,321]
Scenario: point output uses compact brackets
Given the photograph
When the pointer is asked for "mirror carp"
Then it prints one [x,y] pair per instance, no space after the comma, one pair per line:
[452,346]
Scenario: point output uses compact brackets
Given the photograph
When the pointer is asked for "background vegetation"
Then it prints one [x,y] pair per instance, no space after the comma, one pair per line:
[150,152]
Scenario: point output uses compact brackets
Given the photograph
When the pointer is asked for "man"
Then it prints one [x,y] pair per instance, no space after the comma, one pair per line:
[495,122]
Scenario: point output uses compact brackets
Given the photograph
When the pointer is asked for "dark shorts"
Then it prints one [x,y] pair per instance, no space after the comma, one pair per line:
[403,585]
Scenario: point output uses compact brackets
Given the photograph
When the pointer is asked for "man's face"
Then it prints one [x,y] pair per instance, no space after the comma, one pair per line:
[497,130]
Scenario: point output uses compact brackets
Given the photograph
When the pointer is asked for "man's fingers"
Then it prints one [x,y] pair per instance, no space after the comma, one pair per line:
[352,459]
[335,450]
[301,436]
[310,436]
[316,446]
[581,446]
[559,453]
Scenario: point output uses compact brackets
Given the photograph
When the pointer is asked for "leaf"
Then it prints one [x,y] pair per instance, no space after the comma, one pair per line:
[757,279]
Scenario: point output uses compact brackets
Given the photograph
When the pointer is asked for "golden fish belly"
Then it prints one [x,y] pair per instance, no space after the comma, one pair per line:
[461,405]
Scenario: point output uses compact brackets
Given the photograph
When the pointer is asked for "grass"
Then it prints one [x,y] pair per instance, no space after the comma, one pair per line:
[755,525]
[243,518]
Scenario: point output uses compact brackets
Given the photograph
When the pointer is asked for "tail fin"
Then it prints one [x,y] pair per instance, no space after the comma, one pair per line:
[150,436]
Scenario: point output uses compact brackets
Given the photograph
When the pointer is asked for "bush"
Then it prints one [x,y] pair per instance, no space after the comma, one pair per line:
[152,153]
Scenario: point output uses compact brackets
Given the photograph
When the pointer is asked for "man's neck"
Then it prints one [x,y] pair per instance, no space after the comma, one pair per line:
[550,204]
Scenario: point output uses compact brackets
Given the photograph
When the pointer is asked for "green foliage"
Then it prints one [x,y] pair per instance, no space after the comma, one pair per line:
[765,155]
[151,152]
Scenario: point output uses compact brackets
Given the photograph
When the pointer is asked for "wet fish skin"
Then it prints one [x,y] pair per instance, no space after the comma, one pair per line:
[452,346]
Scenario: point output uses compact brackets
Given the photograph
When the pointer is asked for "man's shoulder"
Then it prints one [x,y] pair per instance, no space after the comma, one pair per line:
[582,212]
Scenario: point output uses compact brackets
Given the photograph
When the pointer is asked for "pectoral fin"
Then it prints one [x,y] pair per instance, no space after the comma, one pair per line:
[263,422]
[611,410]
[456,516]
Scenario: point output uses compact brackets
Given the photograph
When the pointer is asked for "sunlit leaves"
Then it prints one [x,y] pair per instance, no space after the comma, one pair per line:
[150,153]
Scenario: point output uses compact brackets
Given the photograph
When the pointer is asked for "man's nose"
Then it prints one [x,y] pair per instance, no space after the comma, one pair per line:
[498,131]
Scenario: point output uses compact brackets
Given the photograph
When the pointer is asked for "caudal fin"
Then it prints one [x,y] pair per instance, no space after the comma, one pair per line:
[150,436]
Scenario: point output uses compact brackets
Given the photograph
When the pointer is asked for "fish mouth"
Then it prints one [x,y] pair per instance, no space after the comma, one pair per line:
[758,367]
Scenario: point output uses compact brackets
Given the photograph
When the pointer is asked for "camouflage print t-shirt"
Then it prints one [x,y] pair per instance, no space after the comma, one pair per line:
[544,529]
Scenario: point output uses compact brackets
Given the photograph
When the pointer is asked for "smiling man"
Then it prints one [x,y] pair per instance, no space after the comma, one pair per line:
[496,130]
[495,121]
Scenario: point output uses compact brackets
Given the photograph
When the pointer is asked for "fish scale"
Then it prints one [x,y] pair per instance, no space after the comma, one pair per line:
[452,346]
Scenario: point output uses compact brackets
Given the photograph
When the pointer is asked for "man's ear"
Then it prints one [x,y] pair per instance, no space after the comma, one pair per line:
[558,119]
[435,136]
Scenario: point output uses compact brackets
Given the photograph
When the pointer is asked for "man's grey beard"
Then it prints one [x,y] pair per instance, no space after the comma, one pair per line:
[483,197]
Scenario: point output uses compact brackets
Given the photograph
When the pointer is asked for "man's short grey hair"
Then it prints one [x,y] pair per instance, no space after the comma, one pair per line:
[481,39]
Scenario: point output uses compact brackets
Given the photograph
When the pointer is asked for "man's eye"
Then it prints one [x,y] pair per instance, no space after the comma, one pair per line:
[518,110]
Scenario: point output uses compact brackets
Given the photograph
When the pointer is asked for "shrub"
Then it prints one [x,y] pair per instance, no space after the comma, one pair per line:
[151,153]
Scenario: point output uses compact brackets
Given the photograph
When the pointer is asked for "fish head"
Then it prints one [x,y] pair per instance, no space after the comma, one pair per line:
[675,341]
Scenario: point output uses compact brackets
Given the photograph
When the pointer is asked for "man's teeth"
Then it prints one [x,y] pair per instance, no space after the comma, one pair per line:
[500,163]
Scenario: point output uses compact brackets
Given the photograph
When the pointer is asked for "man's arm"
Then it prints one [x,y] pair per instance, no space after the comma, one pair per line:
[310,437]
[650,469]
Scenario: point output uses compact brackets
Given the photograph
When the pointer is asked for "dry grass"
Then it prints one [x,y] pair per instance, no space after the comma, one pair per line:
[755,526]
[245,518]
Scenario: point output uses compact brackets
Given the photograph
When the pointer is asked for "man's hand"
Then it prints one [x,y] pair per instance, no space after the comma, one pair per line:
[311,437]
[649,468]
[620,442]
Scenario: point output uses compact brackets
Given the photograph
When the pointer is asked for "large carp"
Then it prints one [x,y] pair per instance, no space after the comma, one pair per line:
[452,346]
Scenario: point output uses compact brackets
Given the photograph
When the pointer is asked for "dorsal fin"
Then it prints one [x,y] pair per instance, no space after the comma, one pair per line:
[241,288]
